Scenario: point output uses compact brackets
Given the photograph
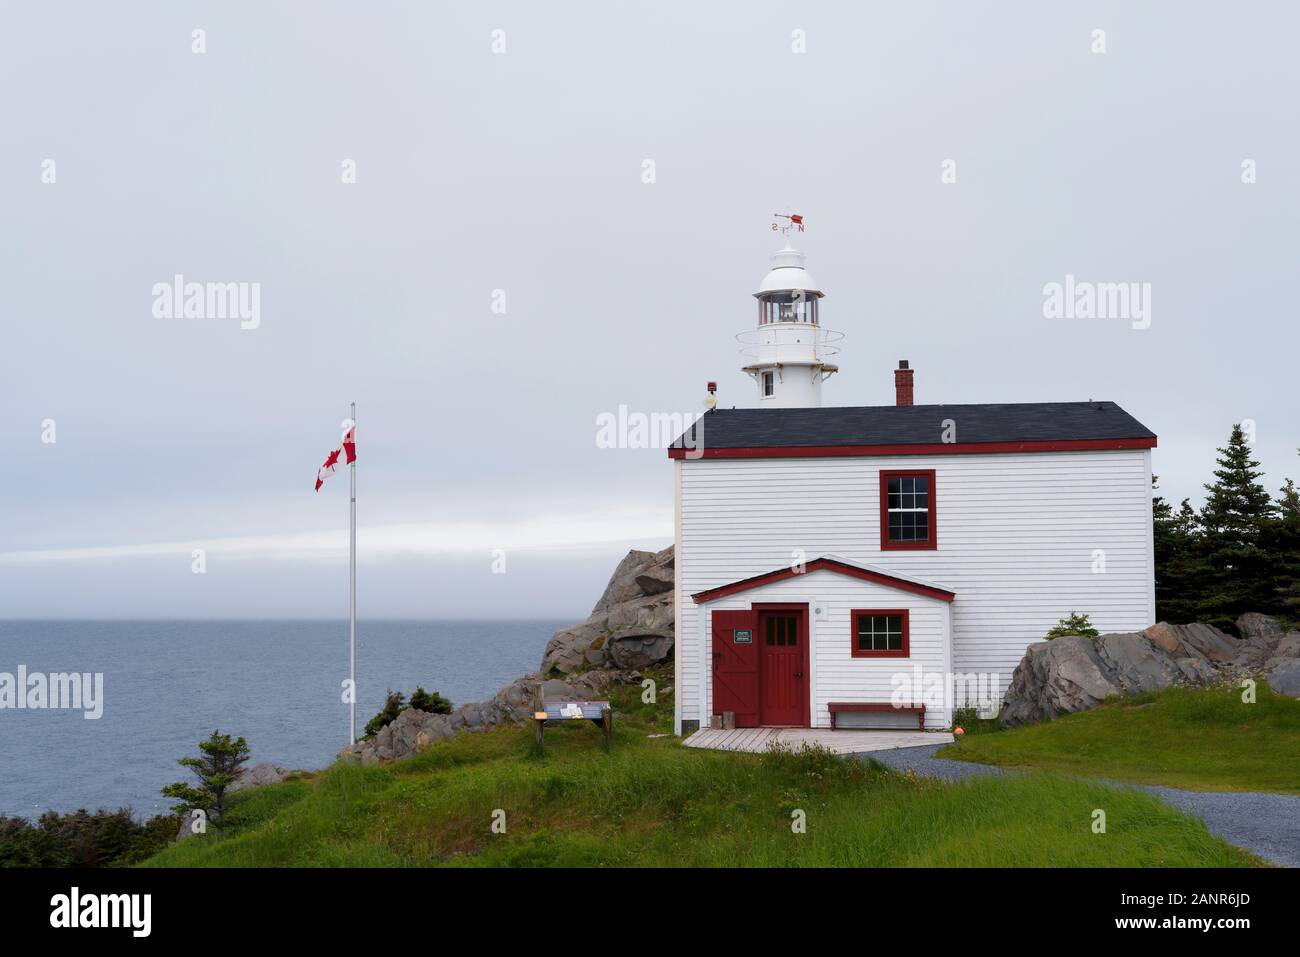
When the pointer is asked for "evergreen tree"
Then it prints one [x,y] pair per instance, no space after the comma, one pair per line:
[1180,572]
[430,701]
[222,762]
[394,704]
[1234,524]
[1284,550]
[1073,624]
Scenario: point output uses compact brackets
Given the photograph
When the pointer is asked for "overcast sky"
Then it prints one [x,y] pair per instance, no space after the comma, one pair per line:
[523,171]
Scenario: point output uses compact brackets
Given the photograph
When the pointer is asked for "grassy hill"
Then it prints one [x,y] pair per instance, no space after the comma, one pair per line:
[1207,739]
[652,802]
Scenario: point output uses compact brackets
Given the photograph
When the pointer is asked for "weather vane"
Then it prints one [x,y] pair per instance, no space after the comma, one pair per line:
[793,221]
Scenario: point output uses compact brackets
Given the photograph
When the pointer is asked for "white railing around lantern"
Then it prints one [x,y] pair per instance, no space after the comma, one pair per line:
[767,342]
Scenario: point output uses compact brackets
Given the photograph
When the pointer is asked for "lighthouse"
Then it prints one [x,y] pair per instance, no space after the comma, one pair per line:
[786,354]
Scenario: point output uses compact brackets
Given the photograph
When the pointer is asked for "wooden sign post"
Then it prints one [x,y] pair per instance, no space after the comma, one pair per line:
[598,713]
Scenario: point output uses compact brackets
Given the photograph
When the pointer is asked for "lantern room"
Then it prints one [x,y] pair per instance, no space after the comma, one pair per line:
[787,353]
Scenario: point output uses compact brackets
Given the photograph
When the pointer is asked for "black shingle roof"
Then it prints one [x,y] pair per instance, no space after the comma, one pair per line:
[918,425]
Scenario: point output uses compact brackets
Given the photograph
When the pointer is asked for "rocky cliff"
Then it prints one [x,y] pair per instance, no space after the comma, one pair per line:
[631,628]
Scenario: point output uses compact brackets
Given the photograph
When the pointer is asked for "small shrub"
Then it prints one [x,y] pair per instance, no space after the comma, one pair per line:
[1074,624]
[395,703]
[430,701]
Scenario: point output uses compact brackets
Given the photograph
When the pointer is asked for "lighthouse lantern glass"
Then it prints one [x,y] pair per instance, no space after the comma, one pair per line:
[787,307]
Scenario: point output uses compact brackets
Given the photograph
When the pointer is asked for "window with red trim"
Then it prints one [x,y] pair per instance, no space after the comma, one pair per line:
[907,509]
[880,633]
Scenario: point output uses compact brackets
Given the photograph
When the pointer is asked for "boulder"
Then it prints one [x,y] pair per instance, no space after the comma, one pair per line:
[1164,636]
[1194,640]
[260,774]
[1135,665]
[656,580]
[474,715]
[1261,636]
[1197,671]
[1284,678]
[1250,656]
[1254,625]
[1288,645]
[1055,678]
[634,652]
[555,688]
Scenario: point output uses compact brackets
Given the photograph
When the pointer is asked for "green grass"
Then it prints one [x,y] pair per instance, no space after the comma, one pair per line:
[1205,740]
[652,802]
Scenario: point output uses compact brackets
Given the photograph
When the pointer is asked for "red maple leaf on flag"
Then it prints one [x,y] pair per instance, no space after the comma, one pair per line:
[348,447]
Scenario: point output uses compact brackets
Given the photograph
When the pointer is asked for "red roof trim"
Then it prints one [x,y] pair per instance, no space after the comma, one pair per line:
[828,564]
[937,448]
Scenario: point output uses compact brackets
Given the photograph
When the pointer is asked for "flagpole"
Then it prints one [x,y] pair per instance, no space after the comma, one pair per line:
[352,596]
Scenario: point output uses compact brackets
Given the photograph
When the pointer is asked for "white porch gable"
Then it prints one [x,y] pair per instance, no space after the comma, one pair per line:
[838,592]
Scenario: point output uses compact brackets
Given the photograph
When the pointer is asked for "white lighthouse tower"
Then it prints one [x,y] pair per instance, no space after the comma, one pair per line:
[787,353]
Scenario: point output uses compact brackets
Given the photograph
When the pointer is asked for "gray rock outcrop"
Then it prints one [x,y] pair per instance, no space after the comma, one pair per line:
[632,626]
[1254,625]
[1289,646]
[413,731]
[1194,640]
[258,775]
[1284,678]
[1075,673]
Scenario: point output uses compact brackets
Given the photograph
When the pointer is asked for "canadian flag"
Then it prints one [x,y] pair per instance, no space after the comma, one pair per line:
[347,449]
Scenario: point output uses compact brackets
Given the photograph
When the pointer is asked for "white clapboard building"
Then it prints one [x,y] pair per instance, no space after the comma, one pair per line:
[881,566]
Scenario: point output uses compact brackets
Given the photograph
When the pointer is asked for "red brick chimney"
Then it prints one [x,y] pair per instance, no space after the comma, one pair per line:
[903,384]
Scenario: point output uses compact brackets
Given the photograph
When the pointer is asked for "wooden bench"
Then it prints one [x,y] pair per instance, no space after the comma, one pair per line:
[546,710]
[876,706]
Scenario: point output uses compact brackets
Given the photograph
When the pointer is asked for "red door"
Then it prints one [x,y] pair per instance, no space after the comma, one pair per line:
[735,665]
[782,652]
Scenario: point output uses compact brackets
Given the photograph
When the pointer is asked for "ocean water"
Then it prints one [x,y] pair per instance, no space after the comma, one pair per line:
[168,684]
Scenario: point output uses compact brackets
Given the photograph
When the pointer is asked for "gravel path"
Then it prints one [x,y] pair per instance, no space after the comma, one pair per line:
[1265,824]
[923,762]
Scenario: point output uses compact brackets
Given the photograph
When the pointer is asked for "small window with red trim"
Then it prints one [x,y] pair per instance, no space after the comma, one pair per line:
[907,509]
[880,633]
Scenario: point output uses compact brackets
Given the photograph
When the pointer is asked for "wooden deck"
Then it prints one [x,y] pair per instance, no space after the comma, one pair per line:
[840,742]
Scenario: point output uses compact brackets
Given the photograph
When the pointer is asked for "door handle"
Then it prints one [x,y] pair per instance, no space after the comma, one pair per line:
[798,674]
